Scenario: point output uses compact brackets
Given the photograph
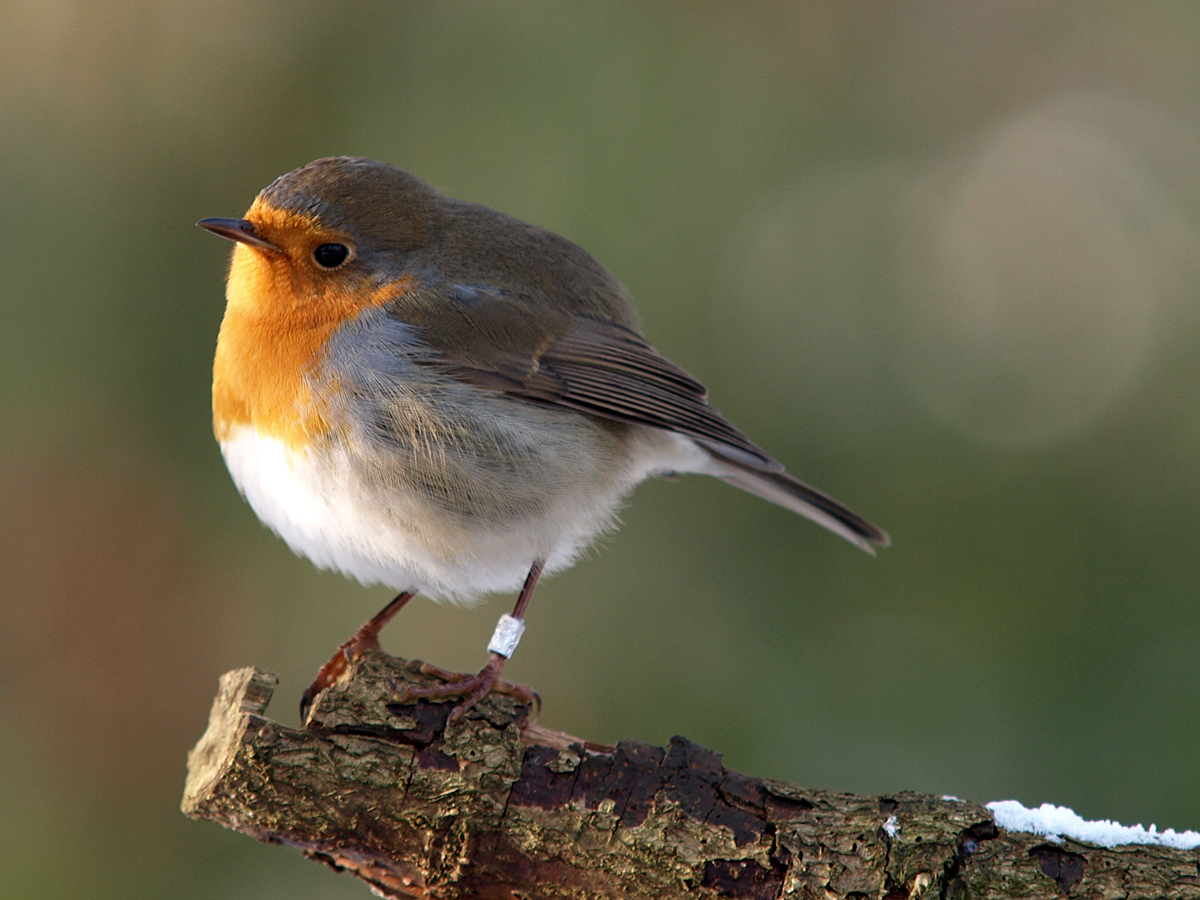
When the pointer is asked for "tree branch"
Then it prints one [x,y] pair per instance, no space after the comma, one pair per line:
[496,807]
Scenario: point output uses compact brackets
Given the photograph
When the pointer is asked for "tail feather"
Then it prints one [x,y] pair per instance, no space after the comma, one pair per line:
[792,494]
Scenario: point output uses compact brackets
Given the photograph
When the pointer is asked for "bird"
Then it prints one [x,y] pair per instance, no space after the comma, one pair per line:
[429,394]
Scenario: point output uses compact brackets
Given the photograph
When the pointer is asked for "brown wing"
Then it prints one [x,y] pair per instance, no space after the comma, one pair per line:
[607,370]
[585,364]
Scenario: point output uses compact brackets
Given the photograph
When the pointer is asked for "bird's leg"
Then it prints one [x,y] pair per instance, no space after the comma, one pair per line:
[473,688]
[366,638]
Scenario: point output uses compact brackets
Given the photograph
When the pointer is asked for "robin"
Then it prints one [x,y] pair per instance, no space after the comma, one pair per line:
[429,394]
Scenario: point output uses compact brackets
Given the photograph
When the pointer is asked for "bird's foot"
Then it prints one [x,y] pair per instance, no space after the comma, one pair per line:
[470,688]
[343,658]
[366,638]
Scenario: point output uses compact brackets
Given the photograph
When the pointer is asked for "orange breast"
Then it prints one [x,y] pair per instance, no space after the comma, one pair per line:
[278,319]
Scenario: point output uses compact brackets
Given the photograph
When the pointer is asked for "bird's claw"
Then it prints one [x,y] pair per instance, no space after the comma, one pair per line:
[470,689]
[343,657]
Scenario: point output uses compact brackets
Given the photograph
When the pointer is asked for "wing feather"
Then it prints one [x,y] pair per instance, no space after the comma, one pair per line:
[605,369]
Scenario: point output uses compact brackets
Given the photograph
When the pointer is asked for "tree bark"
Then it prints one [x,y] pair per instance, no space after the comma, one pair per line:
[495,807]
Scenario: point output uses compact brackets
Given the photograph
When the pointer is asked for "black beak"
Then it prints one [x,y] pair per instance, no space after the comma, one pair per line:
[240,230]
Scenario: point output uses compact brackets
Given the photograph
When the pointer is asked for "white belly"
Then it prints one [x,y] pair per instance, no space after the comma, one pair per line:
[321,504]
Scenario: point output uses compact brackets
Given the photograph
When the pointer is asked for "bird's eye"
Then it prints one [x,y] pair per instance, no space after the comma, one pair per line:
[330,256]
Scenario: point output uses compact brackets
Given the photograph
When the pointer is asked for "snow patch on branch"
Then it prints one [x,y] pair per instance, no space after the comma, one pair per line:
[1058,822]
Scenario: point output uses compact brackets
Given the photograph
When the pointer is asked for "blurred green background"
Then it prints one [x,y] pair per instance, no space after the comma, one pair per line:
[939,258]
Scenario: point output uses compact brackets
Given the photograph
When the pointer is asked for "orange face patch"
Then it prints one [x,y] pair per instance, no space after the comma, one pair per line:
[281,308]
